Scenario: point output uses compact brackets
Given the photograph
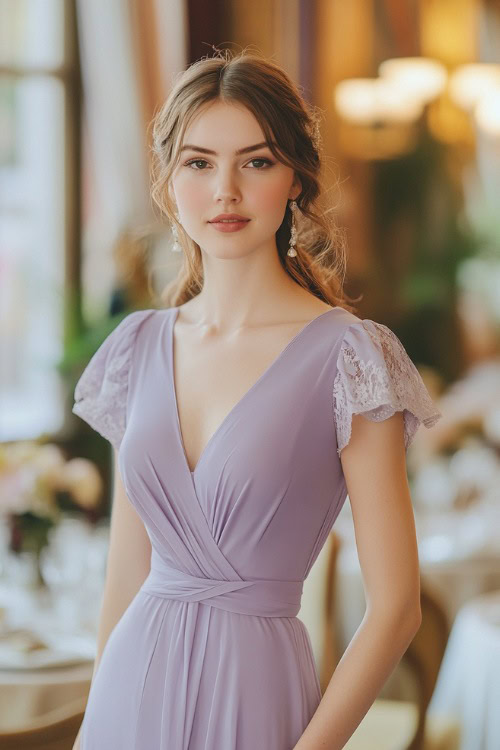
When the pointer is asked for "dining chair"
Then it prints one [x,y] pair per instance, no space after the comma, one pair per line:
[330,651]
[398,724]
[55,730]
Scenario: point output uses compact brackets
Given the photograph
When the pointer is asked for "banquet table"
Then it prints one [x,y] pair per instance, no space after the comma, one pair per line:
[469,679]
[46,656]
[42,666]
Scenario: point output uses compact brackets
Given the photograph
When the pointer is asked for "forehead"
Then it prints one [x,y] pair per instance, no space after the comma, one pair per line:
[223,127]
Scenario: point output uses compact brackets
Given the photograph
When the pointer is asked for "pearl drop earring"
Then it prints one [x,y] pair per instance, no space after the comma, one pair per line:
[293,234]
[176,248]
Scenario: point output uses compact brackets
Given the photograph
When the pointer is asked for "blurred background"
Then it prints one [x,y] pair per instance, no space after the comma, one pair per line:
[410,92]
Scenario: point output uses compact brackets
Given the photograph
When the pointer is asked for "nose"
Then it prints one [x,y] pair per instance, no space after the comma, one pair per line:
[226,188]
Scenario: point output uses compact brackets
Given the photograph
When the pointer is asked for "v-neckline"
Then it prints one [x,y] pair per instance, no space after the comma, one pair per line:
[174,313]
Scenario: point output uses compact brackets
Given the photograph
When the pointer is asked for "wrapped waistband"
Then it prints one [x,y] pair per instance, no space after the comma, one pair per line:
[264,597]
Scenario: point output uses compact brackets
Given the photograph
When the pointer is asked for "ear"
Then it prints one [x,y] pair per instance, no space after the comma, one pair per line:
[296,188]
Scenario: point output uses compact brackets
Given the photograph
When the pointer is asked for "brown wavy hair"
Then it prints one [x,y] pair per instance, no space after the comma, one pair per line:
[286,118]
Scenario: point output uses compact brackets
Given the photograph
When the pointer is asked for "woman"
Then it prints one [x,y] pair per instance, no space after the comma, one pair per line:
[241,416]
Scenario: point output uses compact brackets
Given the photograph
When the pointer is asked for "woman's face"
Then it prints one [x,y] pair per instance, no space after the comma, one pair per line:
[211,178]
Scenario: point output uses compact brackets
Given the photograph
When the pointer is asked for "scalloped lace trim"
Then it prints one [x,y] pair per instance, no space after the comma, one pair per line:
[101,397]
[101,392]
[380,391]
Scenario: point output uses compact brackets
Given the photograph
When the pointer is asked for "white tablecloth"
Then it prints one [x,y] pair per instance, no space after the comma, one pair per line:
[469,679]
[35,682]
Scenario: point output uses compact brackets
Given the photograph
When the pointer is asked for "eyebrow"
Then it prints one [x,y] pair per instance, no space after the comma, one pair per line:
[245,150]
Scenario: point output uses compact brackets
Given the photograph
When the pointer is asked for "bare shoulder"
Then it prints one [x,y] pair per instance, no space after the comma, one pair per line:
[309,307]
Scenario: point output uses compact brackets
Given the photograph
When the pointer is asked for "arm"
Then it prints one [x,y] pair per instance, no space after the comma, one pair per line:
[374,465]
[128,565]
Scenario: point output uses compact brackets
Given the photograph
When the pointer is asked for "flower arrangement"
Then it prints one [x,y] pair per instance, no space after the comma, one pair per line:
[38,487]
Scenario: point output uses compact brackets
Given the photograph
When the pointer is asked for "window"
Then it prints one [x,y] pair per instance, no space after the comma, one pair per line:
[37,212]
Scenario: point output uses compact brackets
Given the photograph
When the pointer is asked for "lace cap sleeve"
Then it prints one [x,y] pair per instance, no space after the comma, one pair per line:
[101,392]
[375,377]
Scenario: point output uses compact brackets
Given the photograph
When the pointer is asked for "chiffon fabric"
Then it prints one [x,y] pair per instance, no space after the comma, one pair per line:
[210,654]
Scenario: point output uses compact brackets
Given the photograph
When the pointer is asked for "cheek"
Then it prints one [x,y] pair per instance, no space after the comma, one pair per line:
[272,191]
[189,194]
[270,200]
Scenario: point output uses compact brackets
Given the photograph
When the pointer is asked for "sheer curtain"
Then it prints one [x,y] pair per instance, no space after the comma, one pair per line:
[129,51]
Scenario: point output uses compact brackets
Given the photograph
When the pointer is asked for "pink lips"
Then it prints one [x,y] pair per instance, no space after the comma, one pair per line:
[233,226]
[229,226]
[227,216]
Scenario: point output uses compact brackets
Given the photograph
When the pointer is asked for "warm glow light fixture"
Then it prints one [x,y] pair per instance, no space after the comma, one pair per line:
[366,101]
[378,119]
[469,83]
[424,78]
[379,116]
[487,113]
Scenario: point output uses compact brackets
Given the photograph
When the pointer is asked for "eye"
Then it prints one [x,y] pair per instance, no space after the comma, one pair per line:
[196,161]
[266,161]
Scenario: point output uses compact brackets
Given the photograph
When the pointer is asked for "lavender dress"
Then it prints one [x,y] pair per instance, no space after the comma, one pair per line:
[210,655]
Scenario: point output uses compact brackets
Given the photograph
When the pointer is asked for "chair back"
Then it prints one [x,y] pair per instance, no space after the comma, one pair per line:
[330,651]
[425,654]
